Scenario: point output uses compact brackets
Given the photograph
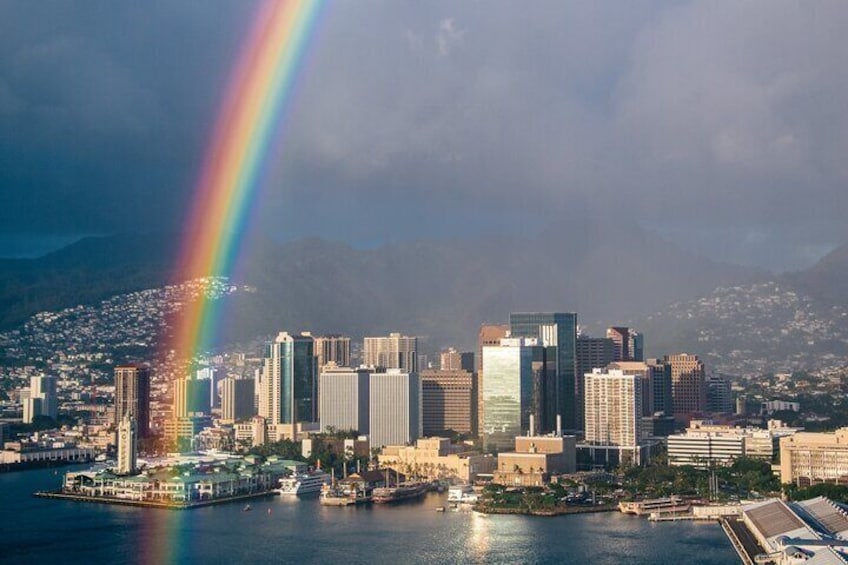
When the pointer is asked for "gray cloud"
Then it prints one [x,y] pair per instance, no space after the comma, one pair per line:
[722,125]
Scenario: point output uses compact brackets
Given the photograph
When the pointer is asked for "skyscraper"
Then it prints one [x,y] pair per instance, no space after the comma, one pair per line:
[214,375]
[345,399]
[132,396]
[661,386]
[192,397]
[613,408]
[629,344]
[507,392]
[591,353]
[557,332]
[288,389]
[450,360]
[127,446]
[332,348]
[489,335]
[688,386]
[448,402]
[395,408]
[41,399]
[392,352]
[237,399]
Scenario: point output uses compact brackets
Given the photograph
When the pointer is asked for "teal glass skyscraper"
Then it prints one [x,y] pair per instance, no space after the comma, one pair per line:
[288,388]
[558,334]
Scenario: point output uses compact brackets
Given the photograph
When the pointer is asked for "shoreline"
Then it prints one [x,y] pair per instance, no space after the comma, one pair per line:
[547,512]
[58,495]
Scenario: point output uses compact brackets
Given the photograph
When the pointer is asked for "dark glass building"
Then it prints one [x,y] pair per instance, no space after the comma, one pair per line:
[558,334]
[289,385]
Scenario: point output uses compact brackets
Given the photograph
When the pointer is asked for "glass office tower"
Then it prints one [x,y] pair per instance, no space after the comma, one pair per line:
[507,393]
[288,391]
[558,334]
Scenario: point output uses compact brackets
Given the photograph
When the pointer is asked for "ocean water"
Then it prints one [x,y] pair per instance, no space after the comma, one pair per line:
[290,530]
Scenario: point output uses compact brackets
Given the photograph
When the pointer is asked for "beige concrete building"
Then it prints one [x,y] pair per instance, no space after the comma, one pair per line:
[535,459]
[392,352]
[436,458]
[448,402]
[332,349]
[688,385]
[808,458]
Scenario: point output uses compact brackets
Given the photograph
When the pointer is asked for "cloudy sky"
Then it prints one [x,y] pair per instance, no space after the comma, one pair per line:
[723,125]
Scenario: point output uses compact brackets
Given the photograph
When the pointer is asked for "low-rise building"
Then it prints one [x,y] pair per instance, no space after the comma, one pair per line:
[705,444]
[437,459]
[808,458]
[536,459]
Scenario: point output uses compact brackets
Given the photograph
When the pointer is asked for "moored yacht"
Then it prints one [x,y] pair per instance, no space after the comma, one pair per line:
[304,483]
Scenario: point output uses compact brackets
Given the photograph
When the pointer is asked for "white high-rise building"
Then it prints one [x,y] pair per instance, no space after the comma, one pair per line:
[392,352]
[127,446]
[613,410]
[41,399]
[395,408]
[344,399]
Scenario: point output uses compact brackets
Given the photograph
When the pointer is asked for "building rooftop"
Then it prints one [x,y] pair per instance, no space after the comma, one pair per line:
[774,518]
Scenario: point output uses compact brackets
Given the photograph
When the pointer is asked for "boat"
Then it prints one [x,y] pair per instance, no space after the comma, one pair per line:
[462,494]
[440,508]
[246,508]
[671,504]
[338,496]
[304,483]
[403,491]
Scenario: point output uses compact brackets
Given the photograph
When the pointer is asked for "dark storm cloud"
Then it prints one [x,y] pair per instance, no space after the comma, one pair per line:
[720,124]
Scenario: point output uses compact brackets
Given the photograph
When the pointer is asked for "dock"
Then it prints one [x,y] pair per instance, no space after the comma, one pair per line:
[166,505]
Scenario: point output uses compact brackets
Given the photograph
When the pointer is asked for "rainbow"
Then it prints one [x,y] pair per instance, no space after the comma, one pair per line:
[259,89]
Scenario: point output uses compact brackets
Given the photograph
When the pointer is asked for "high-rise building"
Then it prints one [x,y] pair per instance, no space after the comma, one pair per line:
[214,375]
[628,342]
[719,395]
[238,398]
[127,446]
[661,386]
[395,408]
[132,396]
[466,361]
[344,399]
[288,387]
[448,402]
[688,388]
[41,399]
[557,332]
[644,372]
[507,392]
[614,411]
[192,397]
[332,348]
[450,360]
[489,335]
[591,353]
[392,352]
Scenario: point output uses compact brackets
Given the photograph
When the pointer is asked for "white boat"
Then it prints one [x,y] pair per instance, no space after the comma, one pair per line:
[304,483]
[462,494]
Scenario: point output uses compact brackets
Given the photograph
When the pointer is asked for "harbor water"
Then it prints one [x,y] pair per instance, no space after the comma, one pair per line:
[299,530]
